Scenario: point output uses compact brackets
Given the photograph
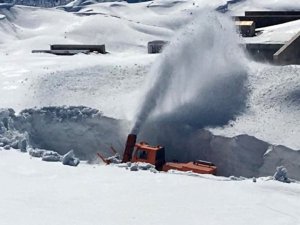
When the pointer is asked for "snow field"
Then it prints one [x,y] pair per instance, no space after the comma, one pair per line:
[50,193]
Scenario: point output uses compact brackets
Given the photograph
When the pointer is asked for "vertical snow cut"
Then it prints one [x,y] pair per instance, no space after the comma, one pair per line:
[199,79]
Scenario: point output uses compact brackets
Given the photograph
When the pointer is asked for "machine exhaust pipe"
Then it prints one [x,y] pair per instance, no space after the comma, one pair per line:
[130,143]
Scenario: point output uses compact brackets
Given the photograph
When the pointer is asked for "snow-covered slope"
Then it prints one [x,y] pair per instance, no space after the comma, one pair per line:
[34,192]
[273,110]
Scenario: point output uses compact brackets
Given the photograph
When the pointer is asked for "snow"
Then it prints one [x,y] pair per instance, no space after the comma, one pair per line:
[260,132]
[273,111]
[50,193]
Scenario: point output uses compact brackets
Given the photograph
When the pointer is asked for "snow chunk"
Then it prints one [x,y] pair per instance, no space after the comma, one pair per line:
[36,152]
[137,166]
[10,137]
[281,174]
[51,156]
[70,159]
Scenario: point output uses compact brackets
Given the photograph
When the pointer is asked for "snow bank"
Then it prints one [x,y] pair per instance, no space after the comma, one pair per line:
[240,155]
[61,129]
[82,129]
[85,130]
[9,136]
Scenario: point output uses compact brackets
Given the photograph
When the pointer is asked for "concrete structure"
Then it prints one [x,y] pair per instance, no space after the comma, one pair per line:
[7,4]
[156,46]
[246,28]
[272,13]
[289,53]
[268,18]
[90,48]
[62,52]
[261,51]
[39,3]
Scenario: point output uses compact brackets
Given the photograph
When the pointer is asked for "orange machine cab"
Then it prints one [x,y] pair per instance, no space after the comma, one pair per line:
[154,155]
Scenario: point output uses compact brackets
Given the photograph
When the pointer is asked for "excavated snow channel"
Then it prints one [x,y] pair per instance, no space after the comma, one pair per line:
[87,131]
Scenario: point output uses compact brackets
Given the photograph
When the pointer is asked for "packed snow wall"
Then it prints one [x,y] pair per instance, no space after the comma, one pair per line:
[61,129]
[87,132]
[241,155]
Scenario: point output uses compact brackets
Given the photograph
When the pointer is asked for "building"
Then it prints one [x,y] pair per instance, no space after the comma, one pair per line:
[38,3]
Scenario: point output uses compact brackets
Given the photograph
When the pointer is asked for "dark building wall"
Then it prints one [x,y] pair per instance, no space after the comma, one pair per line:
[40,3]
[262,52]
[290,52]
[267,20]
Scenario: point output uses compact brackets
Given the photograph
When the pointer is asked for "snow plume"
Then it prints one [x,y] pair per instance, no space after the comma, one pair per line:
[199,77]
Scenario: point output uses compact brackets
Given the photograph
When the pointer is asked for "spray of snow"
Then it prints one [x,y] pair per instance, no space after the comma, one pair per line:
[201,75]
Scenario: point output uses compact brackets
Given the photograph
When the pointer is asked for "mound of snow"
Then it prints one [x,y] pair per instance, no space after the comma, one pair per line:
[240,155]
[86,131]
[9,136]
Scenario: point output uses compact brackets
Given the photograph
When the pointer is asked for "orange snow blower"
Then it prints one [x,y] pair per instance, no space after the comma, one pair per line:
[155,155]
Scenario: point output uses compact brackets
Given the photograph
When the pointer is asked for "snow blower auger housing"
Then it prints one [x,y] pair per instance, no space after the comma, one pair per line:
[155,155]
